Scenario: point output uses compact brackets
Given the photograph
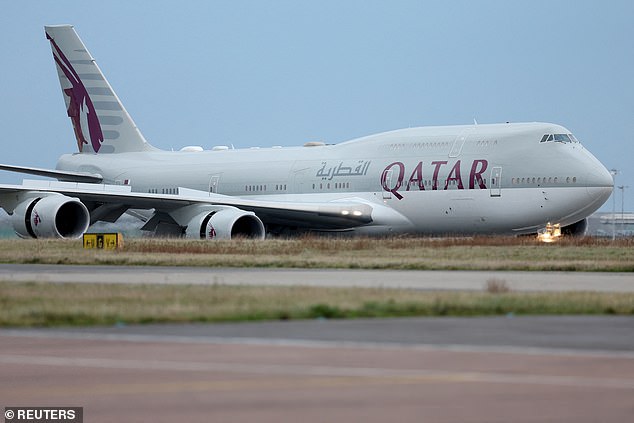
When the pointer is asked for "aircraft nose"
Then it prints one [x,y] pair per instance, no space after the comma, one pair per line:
[600,177]
[600,183]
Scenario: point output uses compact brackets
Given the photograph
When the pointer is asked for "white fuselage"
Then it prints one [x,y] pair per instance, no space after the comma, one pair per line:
[442,180]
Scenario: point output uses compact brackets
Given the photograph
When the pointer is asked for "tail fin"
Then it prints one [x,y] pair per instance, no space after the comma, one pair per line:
[101,123]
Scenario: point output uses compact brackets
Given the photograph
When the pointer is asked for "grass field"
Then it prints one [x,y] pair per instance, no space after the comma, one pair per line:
[41,304]
[482,253]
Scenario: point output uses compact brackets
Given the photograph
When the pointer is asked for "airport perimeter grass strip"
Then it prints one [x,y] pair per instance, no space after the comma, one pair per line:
[479,253]
[31,304]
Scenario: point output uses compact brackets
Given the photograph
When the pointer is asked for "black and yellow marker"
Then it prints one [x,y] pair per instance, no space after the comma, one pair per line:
[106,241]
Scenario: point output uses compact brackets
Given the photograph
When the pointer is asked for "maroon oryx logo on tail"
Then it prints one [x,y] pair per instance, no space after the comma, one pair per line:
[80,108]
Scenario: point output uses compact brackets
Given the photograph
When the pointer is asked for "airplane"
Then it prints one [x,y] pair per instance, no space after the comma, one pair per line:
[508,178]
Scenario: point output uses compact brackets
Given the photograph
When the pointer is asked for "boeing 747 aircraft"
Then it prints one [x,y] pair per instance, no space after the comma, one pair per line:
[510,178]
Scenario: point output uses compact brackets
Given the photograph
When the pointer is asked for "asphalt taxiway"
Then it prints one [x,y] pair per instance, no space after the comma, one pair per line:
[497,369]
[408,279]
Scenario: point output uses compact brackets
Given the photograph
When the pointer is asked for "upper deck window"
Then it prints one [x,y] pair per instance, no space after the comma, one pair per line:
[564,138]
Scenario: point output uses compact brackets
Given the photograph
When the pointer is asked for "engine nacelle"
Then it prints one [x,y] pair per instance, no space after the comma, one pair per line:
[225,223]
[51,216]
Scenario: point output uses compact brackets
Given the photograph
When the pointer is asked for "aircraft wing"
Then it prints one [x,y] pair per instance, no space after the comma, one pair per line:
[108,202]
[61,175]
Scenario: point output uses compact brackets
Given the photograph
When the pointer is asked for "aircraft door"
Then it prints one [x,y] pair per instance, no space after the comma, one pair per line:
[496,182]
[387,182]
[459,142]
[300,181]
[213,184]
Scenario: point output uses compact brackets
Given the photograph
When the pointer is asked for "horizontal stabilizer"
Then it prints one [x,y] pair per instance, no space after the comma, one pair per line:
[60,175]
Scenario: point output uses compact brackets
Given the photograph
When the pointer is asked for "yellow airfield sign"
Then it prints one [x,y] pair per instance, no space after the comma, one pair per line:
[110,241]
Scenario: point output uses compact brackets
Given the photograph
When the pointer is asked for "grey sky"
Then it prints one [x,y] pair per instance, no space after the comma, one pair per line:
[254,73]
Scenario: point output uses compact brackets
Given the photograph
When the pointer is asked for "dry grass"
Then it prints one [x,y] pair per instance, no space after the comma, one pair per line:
[479,253]
[45,304]
[497,286]
[34,304]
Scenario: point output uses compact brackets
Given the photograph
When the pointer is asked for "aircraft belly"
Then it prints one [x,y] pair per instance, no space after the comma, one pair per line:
[442,212]
[518,209]
[528,209]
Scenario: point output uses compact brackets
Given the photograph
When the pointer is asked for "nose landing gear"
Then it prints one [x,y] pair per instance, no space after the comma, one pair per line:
[551,233]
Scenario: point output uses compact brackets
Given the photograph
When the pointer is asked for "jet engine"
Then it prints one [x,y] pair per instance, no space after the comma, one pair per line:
[225,223]
[50,216]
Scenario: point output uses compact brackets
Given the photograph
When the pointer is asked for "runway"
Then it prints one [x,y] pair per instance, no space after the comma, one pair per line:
[408,279]
[528,369]
[494,369]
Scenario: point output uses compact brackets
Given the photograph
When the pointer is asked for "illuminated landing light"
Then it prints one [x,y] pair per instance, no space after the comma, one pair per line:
[356,213]
[551,233]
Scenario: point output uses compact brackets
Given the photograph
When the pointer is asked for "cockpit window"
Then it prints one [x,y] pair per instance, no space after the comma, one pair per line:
[563,138]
